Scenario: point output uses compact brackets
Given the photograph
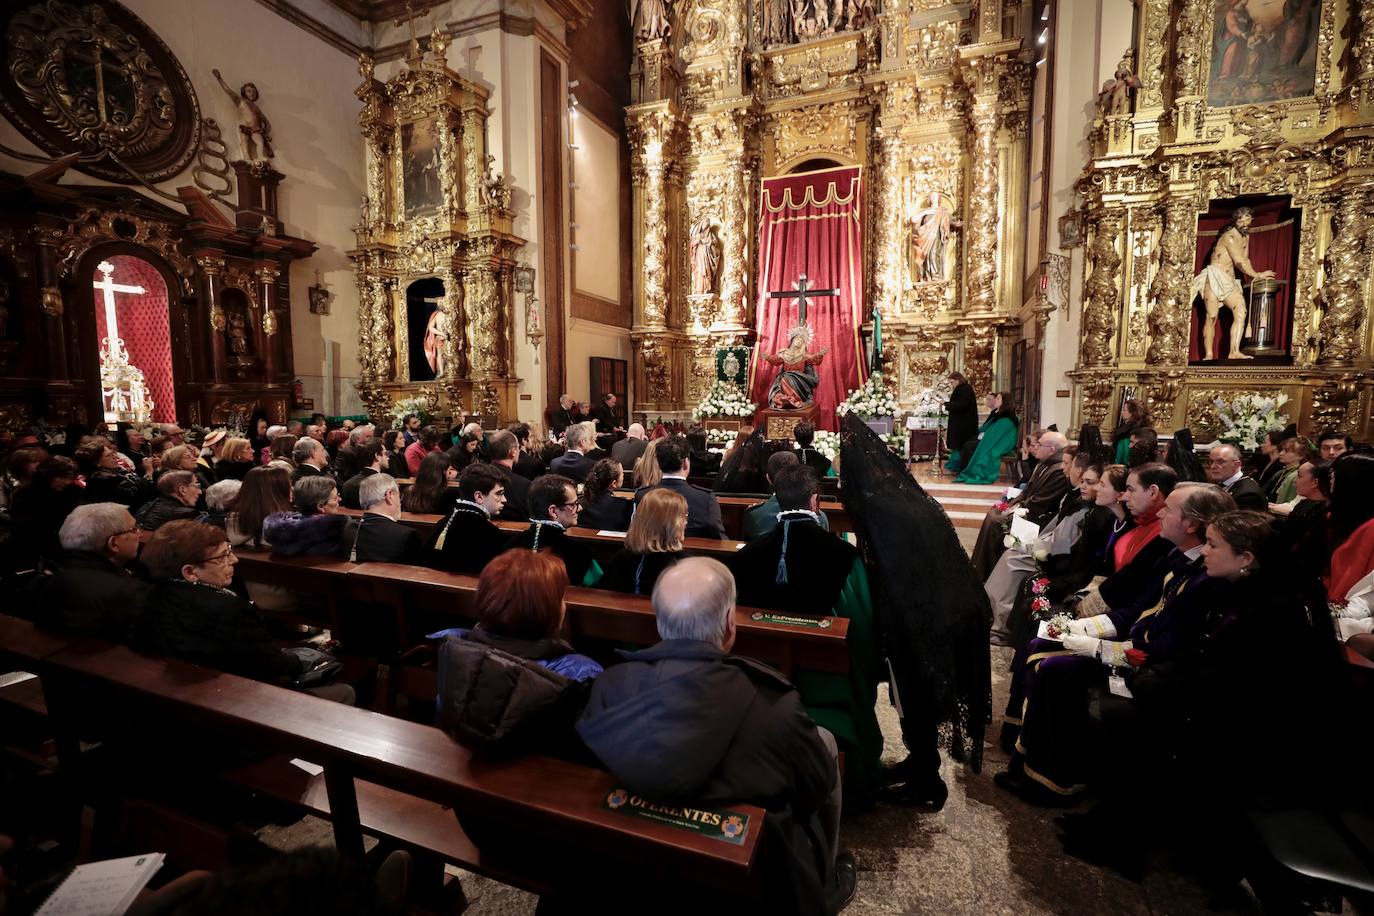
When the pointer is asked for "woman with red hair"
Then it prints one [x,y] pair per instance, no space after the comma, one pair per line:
[512,681]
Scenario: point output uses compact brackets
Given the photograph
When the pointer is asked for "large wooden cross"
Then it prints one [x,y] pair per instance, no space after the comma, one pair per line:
[801,291]
[109,287]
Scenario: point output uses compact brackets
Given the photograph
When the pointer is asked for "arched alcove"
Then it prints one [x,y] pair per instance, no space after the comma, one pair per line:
[131,312]
[425,329]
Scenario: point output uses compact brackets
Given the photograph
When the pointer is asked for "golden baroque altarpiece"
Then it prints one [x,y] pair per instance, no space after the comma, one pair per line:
[930,98]
[433,209]
[1153,173]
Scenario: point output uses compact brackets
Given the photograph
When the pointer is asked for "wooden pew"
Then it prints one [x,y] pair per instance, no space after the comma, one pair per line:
[603,546]
[542,818]
[592,613]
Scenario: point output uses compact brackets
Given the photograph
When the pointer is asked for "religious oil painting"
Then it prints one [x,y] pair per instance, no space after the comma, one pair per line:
[420,167]
[1263,51]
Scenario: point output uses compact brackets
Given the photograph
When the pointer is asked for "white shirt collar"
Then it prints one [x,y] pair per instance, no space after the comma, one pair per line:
[676,475]
[1193,553]
[1233,478]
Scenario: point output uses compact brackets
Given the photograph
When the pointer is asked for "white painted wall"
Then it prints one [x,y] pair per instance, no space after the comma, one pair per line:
[585,340]
[1089,38]
[306,91]
[596,208]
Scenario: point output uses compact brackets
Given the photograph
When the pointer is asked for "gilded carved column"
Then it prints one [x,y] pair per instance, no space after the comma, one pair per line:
[1349,266]
[648,138]
[266,275]
[1170,306]
[980,346]
[889,222]
[1102,294]
[982,235]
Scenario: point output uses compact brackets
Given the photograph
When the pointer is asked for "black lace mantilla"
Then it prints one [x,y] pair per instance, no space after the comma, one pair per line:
[932,612]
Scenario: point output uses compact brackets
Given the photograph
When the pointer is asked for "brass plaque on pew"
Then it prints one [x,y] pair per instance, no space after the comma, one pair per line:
[713,823]
[821,623]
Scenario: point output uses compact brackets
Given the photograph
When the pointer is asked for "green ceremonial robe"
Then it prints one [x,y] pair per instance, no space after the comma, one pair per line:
[1123,451]
[844,703]
[593,576]
[986,464]
[1288,486]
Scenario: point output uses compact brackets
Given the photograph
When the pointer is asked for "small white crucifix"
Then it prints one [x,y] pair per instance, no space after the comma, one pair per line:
[109,287]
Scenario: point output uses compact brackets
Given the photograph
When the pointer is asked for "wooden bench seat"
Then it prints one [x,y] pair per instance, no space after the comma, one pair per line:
[548,810]
[592,613]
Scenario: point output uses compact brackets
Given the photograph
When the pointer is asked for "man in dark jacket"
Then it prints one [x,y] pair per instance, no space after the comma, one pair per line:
[1224,469]
[93,593]
[576,462]
[563,415]
[504,450]
[1040,498]
[310,457]
[379,536]
[178,493]
[703,509]
[372,458]
[527,465]
[687,722]
[630,449]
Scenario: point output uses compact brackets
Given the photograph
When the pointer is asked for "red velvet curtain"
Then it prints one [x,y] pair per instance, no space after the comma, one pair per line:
[1271,248]
[812,224]
[144,327]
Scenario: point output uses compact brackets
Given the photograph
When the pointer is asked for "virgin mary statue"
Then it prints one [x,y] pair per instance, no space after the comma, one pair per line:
[795,386]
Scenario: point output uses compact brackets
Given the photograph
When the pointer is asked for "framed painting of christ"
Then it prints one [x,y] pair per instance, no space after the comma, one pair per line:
[1263,51]
[420,168]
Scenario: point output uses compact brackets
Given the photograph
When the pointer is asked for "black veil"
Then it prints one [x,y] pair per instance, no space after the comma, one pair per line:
[742,471]
[1183,459]
[932,611]
[1090,443]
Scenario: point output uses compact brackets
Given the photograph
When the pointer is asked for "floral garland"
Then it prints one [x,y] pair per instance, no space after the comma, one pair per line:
[1247,417]
[417,405]
[870,400]
[725,399]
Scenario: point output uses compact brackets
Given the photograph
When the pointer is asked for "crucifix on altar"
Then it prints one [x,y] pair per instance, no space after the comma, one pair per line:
[800,291]
[122,386]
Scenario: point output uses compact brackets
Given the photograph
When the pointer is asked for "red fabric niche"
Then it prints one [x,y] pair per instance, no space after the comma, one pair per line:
[1270,249]
[144,327]
[811,224]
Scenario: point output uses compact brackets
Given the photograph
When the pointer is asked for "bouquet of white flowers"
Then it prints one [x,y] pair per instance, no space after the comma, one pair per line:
[725,399]
[1247,417]
[402,408]
[720,440]
[869,400]
[932,410]
[827,443]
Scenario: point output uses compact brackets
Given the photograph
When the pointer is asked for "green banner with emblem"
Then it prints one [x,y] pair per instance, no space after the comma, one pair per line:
[732,365]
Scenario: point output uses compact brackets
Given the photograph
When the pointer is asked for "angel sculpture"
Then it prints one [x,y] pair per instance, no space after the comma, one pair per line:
[1115,96]
[251,120]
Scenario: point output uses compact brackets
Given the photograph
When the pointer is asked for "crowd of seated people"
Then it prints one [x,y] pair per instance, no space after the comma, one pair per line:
[147,553]
[1139,615]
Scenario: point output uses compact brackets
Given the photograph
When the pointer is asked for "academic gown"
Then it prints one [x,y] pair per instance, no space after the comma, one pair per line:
[963,421]
[1056,731]
[825,576]
[582,567]
[465,543]
[985,465]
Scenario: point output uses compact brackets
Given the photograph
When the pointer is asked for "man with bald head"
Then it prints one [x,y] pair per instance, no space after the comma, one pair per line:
[1224,469]
[628,450]
[1040,498]
[685,722]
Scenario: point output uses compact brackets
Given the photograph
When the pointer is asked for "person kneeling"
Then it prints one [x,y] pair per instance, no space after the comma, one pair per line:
[687,721]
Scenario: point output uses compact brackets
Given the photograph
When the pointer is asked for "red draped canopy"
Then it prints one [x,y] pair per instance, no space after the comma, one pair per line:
[144,328]
[811,224]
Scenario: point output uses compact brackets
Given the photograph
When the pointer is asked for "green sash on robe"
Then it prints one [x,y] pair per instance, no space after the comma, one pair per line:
[593,576]
[844,703]
[986,464]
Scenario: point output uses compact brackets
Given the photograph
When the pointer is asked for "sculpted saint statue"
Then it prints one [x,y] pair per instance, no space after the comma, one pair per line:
[251,120]
[775,22]
[1218,284]
[705,251]
[436,332]
[795,386]
[930,228]
[649,19]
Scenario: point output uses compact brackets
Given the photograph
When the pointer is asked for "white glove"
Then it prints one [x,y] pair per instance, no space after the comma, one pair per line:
[1099,625]
[1113,654]
[1081,645]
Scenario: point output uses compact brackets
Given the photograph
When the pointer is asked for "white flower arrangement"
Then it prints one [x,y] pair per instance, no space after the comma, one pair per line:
[931,410]
[1247,417]
[725,399]
[869,400]
[826,442]
[417,405]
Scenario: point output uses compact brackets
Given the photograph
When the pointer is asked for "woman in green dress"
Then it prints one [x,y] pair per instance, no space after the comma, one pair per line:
[996,437]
